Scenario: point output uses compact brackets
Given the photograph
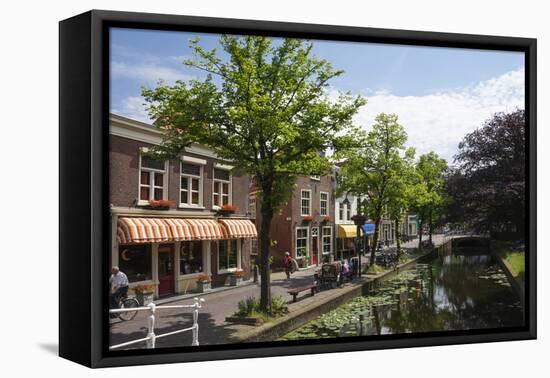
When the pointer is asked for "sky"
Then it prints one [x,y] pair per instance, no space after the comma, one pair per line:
[439,94]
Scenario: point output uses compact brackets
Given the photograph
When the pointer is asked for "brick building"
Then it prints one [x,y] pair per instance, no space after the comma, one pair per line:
[304,227]
[169,244]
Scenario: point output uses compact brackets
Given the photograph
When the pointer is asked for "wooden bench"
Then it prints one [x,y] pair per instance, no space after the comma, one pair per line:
[296,291]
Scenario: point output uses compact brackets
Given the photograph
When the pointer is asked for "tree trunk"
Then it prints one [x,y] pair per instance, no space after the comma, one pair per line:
[267,216]
[397,236]
[374,241]
[420,226]
[430,227]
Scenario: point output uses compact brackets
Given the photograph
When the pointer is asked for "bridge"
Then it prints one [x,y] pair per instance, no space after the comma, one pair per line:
[463,243]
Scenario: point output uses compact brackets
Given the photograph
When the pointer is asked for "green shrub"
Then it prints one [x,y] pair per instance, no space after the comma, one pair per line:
[251,307]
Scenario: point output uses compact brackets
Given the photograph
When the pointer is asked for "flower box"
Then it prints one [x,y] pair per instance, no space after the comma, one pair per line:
[204,286]
[145,299]
[160,204]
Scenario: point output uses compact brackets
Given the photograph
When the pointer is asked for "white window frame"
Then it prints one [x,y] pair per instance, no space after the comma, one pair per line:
[347,212]
[215,206]
[327,209]
[151,185]
[341,211]
[315,177]
[252,205]
[296,242]
[228,245]
[323,240]
[301,202]
[189,186]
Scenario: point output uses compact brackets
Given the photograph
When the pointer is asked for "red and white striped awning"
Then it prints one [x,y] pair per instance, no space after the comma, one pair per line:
[238,228]
[142,230]
[154,230]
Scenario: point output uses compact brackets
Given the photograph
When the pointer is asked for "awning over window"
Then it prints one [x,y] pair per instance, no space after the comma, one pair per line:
[142,230]
[347,231]
[154,230]
[238,228]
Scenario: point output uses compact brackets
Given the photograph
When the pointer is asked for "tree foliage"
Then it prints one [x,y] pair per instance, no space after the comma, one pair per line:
[488,182]
[372,168]
[262,107]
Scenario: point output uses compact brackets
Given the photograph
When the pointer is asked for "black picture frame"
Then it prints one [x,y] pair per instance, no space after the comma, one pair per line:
[84,193]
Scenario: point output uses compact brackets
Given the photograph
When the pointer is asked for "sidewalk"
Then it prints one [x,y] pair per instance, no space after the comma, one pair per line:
[212,326]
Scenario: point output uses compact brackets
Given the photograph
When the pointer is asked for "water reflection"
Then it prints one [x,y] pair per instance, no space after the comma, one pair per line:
[451,292]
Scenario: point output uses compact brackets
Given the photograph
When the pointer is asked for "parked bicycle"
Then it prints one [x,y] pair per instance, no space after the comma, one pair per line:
[129,303]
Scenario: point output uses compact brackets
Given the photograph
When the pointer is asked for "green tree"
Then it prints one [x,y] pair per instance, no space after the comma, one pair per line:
[429,191]
[401,192]
[263,108]
[372,167]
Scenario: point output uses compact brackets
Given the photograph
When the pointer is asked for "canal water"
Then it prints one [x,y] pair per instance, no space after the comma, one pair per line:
[450,292]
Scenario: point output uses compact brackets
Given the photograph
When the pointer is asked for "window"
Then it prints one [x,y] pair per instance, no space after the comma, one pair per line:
[254,246]
[324,203]
[341,211]
[191,257]
[348,212]
[190,184]
[315,177]
[151,181]
[227,254]
[222,187]
[327,240]
[302,242]
[252,206]
[135,262]
[306,202]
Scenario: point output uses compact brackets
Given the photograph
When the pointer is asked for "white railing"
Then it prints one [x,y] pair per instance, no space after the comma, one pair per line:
[151,337]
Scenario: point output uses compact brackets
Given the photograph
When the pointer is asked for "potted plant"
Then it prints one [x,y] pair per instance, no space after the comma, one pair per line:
[227,209]
[236,277]
[144,294]
[204,283]
[307,218]
[161,204]
[326,218]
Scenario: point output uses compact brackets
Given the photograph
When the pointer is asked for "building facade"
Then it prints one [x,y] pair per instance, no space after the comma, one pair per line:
[166,216]
[304,227]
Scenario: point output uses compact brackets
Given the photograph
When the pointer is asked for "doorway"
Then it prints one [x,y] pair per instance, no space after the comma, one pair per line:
[314,245]
[166,270]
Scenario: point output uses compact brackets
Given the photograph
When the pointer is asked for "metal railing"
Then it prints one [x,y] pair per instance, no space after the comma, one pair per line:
[151,337]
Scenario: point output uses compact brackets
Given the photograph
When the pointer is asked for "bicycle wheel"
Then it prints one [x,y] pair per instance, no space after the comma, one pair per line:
[128,303]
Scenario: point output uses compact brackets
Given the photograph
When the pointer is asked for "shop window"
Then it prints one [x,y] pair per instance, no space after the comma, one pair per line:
[135,262]
[190,257]
[327,240]
[151,179]
[227,254]
[254,246]
[302,242]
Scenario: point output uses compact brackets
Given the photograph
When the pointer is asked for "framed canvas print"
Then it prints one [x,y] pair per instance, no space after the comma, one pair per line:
[235,188]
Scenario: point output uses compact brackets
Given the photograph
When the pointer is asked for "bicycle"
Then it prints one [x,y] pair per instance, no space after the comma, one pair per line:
[126,302]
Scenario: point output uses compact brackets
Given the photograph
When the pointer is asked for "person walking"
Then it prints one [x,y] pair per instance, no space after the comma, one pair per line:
[288,265]
[119,286]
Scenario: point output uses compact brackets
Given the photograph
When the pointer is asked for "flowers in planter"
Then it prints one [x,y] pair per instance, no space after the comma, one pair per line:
[238,273]
[307,218]
[161,204]
[326,218]
[229,208]
[144,289]
[204,278]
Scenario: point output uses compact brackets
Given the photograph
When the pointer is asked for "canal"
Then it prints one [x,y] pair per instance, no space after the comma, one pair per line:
[457,290]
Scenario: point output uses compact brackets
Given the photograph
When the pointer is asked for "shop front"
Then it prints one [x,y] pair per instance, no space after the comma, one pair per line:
[170,254]
[345,243]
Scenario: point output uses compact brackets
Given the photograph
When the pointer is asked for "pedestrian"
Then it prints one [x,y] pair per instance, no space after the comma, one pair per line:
[119,286]
[288,265]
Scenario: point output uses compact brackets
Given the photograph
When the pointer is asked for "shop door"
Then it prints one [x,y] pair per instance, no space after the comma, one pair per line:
[314,245]
[166,270]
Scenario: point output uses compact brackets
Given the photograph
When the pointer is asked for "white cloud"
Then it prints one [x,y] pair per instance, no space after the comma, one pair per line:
[133,107]
[439,121]
[147,73]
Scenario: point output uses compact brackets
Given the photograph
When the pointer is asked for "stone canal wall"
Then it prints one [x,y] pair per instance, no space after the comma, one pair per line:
[310,308]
